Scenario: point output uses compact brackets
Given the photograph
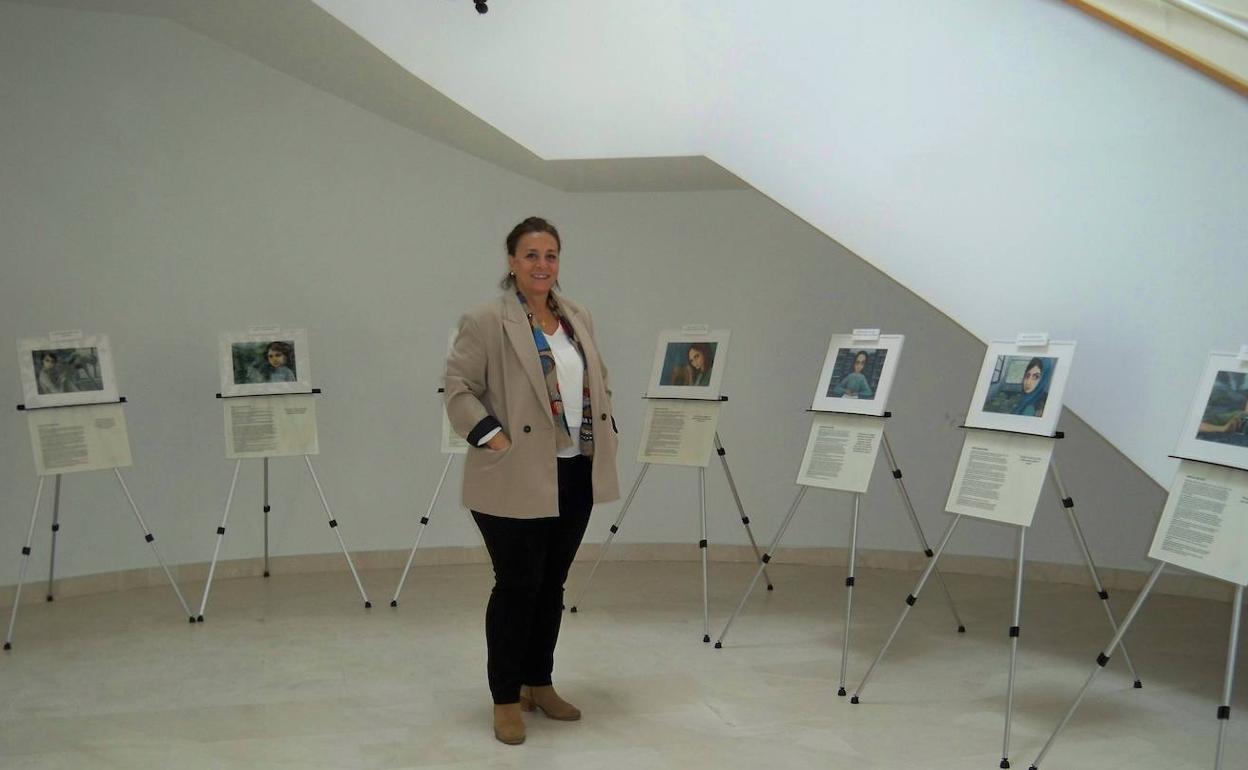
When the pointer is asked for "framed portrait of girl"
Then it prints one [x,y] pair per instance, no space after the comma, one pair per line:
[265,360]
[858,373]
[1020,387]
[689,365]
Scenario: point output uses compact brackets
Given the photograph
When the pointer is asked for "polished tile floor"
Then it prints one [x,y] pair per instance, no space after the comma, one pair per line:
[292,672]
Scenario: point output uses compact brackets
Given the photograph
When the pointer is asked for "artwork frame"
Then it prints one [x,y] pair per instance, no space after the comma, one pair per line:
[244,362]
[841,382]
[1001,401]
[1221,399]
[73,369]
[670,378]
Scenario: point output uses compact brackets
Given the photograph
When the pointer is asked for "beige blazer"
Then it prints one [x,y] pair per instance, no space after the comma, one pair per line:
[493,371]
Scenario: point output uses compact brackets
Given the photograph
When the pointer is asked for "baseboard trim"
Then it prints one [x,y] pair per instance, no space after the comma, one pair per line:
[1177,582]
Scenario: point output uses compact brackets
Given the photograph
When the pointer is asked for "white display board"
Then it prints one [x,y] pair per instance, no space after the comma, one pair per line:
[858,372]
[678,432]
[265,360]
[1204,526]
[65,368]
[840,452]
[1020,387]
[689,363]
[79,438]
[1000,476]
[1216,429]
[270,426]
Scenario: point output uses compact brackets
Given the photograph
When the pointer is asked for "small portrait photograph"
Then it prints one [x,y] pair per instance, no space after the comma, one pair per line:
[1020,387]
[1216,429]
[857,373]
[66,368]
[263,362]
[688,365]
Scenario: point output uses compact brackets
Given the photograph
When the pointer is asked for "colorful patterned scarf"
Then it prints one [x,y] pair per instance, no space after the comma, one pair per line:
[563,439]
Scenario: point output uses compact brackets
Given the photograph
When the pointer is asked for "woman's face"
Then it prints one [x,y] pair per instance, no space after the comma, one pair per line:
[1031,378]
[49,363]
[535,263]
[696,359]
[276,358]
[860,361]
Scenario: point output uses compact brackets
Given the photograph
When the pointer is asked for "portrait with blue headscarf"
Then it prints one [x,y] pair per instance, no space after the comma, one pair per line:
[1020,385]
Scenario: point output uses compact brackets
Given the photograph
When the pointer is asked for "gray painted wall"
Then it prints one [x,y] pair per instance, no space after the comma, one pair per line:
[163,188]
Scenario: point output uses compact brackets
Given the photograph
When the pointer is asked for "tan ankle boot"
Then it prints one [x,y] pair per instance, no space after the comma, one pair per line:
[508,723]
[545,698]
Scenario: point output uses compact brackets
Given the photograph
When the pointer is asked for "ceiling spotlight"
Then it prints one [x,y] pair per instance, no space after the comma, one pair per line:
[481,6]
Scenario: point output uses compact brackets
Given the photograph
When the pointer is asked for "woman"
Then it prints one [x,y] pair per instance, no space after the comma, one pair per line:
[698,372]
[854,384]
[525,386]
[1035,389]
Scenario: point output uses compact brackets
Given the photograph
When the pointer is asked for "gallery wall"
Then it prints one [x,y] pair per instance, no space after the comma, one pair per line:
[1017,163]
[163,188]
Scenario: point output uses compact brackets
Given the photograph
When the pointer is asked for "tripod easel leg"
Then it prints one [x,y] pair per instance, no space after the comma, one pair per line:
[745,520]
[1068,504]
[56,527]
[265,486]
[1102,660]
[1014,631]
[333,524]
[771,549]
[424,524]
[628,501]
[918,528]
[216,551]
[151,540]
[849,592]
[21,575]
[1224,711]
[706,609]
[910,601]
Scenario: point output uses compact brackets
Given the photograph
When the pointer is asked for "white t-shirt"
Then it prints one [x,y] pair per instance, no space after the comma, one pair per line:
[570,372]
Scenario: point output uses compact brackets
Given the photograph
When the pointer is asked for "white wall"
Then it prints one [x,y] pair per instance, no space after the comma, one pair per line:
[163,188]
[971,149]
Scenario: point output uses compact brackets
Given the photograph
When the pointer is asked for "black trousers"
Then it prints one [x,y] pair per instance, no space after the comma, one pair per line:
[531,559]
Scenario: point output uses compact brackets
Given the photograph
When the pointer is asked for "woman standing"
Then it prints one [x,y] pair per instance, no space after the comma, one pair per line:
[525,386]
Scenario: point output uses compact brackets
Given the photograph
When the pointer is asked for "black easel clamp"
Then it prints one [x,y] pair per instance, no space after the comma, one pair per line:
[702,544]
[1068,502]
[1224,712]
[424,519]
[313,392]
[56,527]
[1103,594]
[721,451]
[25,550]
[1057,434]
[24,408]
[1014,632]
[911,599]
[614,529]
[1102,660]
[149,537]
[849,582]
[220,530]
[766,558]
[333,523]
[266,509]
[897,473]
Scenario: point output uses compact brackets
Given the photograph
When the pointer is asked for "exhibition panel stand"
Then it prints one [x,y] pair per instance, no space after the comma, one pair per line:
[834,438]
[1023,462]
[76,438]
[681,431]
[289,428]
